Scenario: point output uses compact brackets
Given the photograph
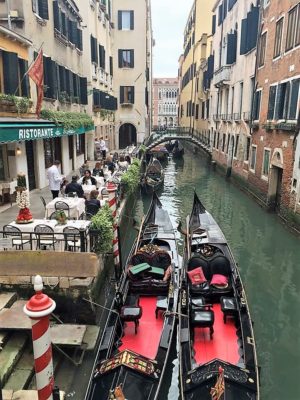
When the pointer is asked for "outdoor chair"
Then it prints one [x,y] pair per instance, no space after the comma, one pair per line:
[72,238]
[202,316]
[61,205]
[88,216]
[16,234]
[44,236]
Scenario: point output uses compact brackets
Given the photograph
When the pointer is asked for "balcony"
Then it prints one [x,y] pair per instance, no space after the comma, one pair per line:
[222,76]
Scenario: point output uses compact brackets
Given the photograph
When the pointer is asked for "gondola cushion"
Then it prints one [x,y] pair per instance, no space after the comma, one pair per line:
[156,272]
[196,276]
[198,261]
[220,264]
[202,319]
[136,270]
[220,281]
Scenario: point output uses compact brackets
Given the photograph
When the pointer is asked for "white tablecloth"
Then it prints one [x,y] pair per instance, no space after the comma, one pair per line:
[87,189]
[76,204]
[100,181]
[58,229]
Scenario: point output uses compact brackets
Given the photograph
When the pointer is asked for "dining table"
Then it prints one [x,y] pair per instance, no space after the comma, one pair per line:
[76,206]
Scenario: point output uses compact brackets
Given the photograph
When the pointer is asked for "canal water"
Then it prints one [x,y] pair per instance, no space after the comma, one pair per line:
[269,259]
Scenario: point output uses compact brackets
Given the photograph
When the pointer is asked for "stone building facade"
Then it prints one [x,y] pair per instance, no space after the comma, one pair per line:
[274,164]
[165,98]
[81,43]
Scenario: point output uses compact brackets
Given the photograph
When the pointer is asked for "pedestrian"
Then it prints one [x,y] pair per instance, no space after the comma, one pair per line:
[74,187]
[103,148]
[55,178]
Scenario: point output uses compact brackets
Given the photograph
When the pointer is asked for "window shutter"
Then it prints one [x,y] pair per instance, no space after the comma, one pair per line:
[224,9]
[272,97]
[146,97]
[111,66]
[10,72]
[121,94]
[131,58]
[100,56]
[56,15]
[43,9]
[132,20]
[243,46]
[119,20]
[96,98]
[83,91]
[120,55]
[103,57]
[63,23]
[70,30]
[286,101]
[294,99]
[75,85]
[23,64]
[220,14]
[54,79]
[254,25]
[79,39]
[47,80]
[231,47]
[213,24]
[71,86]
[132,94]
[62,79]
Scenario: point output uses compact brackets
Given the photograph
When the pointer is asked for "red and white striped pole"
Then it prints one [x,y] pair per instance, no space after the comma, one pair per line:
[112,202]
[38,309]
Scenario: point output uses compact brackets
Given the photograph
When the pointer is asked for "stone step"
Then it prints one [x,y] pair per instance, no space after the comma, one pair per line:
[7,299]
[22,373]
[11,354]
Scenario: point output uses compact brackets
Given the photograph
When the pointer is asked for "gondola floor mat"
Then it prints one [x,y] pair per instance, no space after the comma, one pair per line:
[146,340]
[223,345]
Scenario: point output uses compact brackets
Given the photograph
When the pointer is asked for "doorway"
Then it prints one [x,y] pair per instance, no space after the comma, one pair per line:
[275,188]
[127,135]
[30,164]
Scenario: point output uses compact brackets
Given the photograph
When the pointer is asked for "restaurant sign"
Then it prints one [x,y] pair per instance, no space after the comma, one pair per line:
[21,132]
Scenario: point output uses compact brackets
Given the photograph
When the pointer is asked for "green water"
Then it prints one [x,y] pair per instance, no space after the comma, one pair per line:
[269,260]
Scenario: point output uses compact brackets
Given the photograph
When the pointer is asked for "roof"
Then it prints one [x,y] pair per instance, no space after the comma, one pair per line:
[16,36]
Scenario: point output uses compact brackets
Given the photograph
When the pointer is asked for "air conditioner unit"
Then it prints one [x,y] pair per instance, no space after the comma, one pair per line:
[14,14]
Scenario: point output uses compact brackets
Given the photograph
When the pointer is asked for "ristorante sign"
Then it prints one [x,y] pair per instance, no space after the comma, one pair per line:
[20,132]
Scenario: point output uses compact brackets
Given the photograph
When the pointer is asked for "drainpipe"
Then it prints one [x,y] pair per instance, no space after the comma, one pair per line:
[8,14]
[192,88]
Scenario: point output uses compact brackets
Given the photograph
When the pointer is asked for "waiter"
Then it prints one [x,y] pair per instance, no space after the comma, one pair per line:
[55,178]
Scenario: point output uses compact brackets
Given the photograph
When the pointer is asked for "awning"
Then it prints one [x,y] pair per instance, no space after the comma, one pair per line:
[15,132]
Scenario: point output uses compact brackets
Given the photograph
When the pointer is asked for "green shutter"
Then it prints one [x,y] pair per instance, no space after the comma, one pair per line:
[111,67]
[83,91]
[10,72]
[121,94]
[294,99]
[43,9]
[119,20]
[23,64]
[243,45]
[132,20]
[131,58]
[272,97]
[56,15]
[132,94]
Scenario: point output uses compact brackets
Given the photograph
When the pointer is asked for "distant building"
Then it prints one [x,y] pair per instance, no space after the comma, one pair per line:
[165,108]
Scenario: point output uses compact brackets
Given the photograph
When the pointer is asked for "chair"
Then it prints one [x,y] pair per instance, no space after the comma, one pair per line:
[92,209]
[202,316]
[53,215]
[131,311]
[104,192]
[13,231]
[45,237]
[72,238]
[228,307]
[88,216]
[61,205]
[43,201]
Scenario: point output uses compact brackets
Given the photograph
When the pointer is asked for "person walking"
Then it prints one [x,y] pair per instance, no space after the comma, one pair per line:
[55,178]
[103,148]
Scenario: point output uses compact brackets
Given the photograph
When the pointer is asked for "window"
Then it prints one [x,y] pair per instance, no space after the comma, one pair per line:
[247,153]
[228,141]
[13,70]
[40,7]
[262,49]
[70,145]
[253,157]
[127,94]
[293,34]
[94,50]
[126,58]
[101,57]
[278,38]
[271,106]
[256,105]
[80,144]
[241,97]
[266,162]
[126,20]
[223,143]
[286,100]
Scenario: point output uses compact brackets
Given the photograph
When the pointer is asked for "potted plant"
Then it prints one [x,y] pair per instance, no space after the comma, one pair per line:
[22,200]
[101,230]
[61,217]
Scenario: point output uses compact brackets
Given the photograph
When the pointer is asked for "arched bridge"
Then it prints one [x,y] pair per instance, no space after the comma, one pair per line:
[196,138]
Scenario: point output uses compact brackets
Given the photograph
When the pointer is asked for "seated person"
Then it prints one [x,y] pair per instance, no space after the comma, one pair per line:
[123,165]
[88,179]
[93,200]
[63,186]
[98,169]
[84,167]
[109,163]
[128,159]
[74,187]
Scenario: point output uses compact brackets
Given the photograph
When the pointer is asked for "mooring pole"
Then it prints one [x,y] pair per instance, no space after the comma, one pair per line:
[112,202]
[38,309]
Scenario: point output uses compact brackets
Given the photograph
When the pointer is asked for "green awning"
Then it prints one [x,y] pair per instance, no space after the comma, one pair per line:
[15,132]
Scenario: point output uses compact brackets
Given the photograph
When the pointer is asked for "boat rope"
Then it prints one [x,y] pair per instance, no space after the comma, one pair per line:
[174,313]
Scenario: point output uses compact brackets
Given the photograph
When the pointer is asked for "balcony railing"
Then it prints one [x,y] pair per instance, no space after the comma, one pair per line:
[222,76]
[247,116]
[237,117]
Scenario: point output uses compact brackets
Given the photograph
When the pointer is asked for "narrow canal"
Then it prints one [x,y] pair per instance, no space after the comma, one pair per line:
[269,259]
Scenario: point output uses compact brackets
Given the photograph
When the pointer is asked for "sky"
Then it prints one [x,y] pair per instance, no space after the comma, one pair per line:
[168,22]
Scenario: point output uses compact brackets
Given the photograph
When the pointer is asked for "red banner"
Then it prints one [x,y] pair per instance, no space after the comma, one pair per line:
[36,73]
[218,390]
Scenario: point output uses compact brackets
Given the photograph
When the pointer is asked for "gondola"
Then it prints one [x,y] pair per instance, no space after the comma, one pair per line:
[160,152]
[153,178]
[216,344]
[178,150]
[134,348]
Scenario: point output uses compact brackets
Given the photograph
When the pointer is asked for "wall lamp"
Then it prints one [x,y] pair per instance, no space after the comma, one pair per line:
[18,151]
